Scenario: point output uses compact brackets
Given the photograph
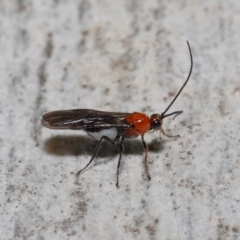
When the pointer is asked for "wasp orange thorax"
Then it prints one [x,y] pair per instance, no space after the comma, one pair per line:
[140,122]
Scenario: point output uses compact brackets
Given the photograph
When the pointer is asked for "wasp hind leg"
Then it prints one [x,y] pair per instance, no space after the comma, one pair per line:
[119,160]
[96,152]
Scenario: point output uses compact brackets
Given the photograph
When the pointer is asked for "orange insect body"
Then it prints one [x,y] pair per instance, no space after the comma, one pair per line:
[114,127]
[140,122]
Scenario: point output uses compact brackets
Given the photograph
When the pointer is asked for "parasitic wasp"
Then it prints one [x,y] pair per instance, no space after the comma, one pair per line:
[114,127]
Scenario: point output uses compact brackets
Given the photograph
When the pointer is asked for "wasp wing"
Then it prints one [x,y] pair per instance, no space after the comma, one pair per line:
[85,119]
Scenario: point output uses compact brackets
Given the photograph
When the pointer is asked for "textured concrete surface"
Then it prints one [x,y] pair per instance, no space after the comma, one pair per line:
[120,56]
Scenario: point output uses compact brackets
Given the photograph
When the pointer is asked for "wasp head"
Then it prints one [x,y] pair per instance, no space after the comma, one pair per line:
[156,121]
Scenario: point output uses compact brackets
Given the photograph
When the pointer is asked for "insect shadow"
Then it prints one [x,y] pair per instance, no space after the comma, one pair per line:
[72,145]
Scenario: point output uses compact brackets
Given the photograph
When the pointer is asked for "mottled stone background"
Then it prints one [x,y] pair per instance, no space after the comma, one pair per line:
[120,56]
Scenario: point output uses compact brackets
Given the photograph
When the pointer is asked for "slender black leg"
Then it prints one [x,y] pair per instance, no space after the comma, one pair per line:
[146,155]
[119,160]
[96,151]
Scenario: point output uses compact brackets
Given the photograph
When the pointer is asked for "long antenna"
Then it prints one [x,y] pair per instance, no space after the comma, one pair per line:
[189,74]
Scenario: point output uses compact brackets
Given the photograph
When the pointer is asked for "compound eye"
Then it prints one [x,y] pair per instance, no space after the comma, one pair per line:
[156,121]
[156,124]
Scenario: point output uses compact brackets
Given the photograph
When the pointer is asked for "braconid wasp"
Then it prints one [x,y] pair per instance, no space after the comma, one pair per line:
[114,127]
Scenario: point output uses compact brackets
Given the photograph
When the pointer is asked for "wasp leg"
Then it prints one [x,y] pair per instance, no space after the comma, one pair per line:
[119,160]
[176,114]
[177,136]
[145,159]
[96,151]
